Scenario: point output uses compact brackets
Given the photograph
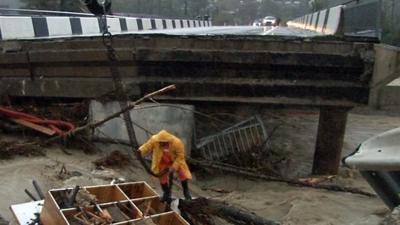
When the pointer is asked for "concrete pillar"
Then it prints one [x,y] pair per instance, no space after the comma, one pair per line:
[375,97]
[328,149]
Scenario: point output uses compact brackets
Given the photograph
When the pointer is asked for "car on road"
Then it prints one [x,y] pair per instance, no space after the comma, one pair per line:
[257,22]
[270,21]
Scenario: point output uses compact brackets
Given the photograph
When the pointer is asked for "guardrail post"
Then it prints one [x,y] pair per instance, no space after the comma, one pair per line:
[331,129]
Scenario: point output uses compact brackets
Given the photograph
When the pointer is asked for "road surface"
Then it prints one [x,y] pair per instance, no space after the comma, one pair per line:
[236,30]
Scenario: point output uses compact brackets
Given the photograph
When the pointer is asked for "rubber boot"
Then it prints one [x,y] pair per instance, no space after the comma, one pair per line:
[186,191]
[166,193]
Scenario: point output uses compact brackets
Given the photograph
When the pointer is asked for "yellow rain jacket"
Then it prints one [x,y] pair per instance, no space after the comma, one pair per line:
[176,150]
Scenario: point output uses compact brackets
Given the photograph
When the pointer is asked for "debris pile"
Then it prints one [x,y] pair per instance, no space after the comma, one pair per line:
[90,217]
[245,145]
[8,149]
[204,211]
[392,218]
[42,125]
[119,212]
[3,222]
[114,159]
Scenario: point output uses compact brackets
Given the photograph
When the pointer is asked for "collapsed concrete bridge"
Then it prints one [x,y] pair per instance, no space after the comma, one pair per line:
[332,75]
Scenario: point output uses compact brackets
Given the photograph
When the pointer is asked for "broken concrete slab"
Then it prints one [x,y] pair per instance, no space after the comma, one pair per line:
[147,119]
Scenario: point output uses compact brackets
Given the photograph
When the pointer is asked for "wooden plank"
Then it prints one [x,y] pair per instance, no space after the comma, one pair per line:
[36,127]
[106,194]
[169,219]
[51,214]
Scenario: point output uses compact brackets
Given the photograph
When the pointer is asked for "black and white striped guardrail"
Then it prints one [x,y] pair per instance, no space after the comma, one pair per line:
[30,27]
[326,21]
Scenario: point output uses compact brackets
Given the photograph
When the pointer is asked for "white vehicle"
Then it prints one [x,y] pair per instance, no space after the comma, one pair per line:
[270,21]
[257,22]
[378,160]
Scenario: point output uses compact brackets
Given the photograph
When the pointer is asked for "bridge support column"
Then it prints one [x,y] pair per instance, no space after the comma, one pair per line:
[328,149]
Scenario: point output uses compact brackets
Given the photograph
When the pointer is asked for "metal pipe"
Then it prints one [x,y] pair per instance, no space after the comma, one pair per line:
[30,195]
[38,190]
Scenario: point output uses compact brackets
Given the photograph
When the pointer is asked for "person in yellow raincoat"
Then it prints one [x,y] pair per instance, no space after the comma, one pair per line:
[168,157]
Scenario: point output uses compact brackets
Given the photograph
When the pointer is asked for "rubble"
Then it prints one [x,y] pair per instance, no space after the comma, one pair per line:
[114,159]
[8,149]
[296,182]
[3,221]
[392,218]
[203,211]
[43,125]
[65,174]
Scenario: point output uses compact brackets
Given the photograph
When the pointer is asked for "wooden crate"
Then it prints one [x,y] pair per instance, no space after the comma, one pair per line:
[127,196]
[170,218]
[137,190]
[151,206]
[129,210]
[105,194]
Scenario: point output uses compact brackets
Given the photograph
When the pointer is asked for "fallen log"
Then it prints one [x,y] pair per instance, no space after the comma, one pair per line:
[201,210]
[246,173]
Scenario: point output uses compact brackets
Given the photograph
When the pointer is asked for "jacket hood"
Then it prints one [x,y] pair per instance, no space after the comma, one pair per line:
[164,136]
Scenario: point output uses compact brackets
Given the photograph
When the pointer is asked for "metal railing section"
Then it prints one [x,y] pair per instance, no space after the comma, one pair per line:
[239,138]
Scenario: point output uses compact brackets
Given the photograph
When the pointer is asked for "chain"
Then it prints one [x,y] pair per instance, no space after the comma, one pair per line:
[120,92]
[121,95]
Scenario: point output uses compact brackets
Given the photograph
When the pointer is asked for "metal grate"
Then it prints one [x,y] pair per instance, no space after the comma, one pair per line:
[241,137]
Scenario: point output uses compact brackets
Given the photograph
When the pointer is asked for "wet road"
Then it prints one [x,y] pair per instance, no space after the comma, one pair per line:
[237,30]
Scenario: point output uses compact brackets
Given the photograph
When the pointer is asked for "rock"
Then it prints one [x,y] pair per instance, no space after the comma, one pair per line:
[3,221]
[393,218]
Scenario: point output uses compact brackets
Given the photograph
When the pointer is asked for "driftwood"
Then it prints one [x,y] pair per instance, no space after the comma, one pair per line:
[246,173]
[202,211]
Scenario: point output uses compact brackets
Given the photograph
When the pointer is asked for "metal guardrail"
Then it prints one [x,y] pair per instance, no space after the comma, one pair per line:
[241,137]
[363,20]
[353,20]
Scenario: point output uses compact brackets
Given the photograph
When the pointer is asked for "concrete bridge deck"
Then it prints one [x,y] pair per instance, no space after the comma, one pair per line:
[332,75]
